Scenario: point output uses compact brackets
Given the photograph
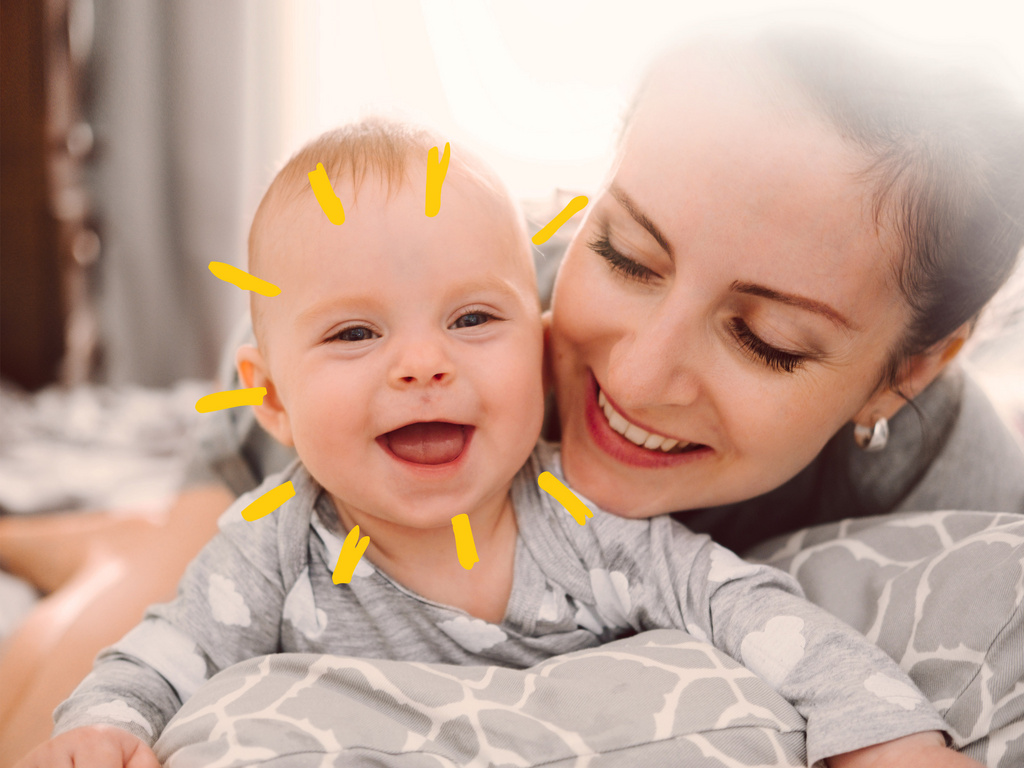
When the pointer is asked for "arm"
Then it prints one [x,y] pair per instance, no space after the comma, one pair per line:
[100,746]
[101,571]
[920,750]
[228,608]
[850,692]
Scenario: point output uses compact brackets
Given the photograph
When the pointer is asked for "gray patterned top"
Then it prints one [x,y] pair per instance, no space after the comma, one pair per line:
[266,587]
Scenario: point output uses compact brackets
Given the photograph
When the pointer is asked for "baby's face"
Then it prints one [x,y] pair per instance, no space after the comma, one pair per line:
[403,352]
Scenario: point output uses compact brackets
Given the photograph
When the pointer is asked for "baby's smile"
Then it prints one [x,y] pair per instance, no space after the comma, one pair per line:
[427,442]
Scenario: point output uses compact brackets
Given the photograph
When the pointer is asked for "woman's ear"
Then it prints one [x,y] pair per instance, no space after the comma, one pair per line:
[271,414]
[920,371]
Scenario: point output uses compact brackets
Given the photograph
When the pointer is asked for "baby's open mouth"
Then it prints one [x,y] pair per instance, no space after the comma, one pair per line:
[427,442]
[638,435]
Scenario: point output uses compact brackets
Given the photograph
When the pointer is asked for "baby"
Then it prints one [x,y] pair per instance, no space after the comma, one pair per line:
[403,360]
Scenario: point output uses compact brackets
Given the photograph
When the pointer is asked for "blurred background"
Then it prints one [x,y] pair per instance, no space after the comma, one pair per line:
[139,135]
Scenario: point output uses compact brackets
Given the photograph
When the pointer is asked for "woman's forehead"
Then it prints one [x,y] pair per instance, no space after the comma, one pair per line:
[741,101]
[702,151]
[774,199]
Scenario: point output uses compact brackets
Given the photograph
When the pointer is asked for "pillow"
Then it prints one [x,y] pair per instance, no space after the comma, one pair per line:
[940,592]
[659,698]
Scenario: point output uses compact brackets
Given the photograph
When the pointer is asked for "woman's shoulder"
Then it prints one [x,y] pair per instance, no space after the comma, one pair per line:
[948,449]
[980,464]
[272,521]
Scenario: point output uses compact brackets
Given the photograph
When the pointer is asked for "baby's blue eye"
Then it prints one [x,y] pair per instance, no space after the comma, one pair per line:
[359,333]
[471,319]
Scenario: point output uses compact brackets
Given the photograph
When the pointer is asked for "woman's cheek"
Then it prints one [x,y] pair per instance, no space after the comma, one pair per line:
[585,303]
[790,433]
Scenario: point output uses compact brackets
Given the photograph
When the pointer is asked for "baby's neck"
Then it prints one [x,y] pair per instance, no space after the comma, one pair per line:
[426,560]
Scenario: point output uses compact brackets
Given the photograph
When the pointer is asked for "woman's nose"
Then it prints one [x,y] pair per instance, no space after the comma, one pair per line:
[657,363]
[421,360]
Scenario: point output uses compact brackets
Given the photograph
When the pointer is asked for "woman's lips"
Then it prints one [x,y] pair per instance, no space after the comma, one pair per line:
[626,451]
[637,434]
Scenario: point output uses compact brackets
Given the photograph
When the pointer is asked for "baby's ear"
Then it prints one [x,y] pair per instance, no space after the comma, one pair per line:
[271,414]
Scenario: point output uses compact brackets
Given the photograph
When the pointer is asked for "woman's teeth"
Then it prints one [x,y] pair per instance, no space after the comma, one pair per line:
[635,434]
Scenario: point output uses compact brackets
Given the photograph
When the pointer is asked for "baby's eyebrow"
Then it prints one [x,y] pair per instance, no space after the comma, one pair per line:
[633,210]
[312,313]
[489,283]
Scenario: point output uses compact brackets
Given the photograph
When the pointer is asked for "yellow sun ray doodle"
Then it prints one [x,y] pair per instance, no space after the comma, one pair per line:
[464,544]
[573,207]
[565,497]
[242,279]
[269,501]
[232,398]
[351,552]
[436,171]
[324,192]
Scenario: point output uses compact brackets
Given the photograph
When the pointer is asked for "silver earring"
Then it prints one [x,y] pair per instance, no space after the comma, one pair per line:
[872,438]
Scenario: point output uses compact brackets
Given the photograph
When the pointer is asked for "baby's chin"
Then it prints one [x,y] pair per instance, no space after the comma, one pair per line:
[405,517]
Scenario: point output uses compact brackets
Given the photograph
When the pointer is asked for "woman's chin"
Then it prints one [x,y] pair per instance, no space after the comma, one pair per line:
[641,492]
[613,489]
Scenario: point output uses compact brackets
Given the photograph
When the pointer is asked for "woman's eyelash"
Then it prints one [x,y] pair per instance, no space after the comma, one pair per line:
[618,262]
[774,358]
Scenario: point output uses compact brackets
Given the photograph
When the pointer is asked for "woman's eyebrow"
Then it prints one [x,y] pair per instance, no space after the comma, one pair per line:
[811,305]
[631,208]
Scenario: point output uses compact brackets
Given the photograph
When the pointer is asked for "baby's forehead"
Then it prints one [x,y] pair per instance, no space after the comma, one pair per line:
[377,201]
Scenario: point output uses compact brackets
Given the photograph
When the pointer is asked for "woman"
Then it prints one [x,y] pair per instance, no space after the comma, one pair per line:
[772,261]
[796,237]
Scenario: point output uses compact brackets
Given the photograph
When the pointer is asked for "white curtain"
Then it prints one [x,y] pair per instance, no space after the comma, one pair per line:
[192,110]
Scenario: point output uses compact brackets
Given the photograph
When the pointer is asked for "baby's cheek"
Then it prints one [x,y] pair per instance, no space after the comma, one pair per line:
[325,429]
[517,405]
[528,389]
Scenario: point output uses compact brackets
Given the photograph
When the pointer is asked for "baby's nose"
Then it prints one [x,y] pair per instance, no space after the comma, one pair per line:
[422,362]
[412,378]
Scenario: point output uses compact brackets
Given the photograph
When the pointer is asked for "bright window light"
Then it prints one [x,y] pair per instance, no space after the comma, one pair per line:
[538,86]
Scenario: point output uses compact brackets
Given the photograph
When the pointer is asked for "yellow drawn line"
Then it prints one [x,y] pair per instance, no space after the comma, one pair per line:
[242,279]
[351,552]
[231,399]
[269,501]
[436,171]
[565,497]
[573,207]
[464,544]
[324,192]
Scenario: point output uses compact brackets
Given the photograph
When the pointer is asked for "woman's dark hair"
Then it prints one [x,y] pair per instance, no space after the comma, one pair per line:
[945,149]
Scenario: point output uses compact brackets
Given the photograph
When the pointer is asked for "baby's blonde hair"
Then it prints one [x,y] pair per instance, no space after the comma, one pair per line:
[376,147]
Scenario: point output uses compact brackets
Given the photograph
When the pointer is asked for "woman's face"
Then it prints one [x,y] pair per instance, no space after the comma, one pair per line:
[728,291]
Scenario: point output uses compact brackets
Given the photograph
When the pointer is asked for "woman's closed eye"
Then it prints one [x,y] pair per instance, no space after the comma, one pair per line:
[619,262]
[773,357]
